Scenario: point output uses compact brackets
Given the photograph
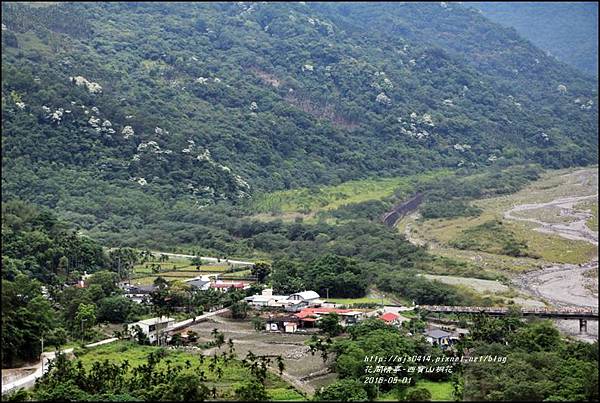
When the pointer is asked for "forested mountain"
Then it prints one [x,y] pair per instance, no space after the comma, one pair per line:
[116,110]
[567,29]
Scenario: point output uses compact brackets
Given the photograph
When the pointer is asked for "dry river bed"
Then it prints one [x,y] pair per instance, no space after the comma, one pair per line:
[563,285]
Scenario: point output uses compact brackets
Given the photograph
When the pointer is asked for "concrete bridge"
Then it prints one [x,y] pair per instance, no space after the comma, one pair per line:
[583,314]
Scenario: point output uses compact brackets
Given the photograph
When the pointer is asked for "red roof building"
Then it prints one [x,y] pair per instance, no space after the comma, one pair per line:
[389,317]
[312,315]
[221,286]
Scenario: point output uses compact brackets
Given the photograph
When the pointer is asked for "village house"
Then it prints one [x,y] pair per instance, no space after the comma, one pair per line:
[438,337]
[151,326]
[138,293]
[391,318]
[310,316]
[291,303]
[302,300]
[267,299]
[201,283]
[282,323]
[224,286]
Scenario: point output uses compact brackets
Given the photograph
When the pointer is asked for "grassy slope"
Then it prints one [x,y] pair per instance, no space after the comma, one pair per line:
[312,200]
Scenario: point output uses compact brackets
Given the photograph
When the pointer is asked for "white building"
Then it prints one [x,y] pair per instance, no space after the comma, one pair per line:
[302,300]
[151,326]
[293,302]
[200,283]
[266,298]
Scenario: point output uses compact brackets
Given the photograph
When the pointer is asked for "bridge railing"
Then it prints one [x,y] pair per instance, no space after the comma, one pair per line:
[503,311]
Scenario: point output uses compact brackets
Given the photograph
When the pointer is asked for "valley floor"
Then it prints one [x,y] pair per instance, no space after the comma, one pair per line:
[555,216]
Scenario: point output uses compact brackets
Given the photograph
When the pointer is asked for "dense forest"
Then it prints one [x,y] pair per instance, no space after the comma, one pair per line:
[566,30]
[195,103]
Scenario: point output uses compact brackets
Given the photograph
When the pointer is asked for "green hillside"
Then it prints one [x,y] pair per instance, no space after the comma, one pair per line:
[114,110]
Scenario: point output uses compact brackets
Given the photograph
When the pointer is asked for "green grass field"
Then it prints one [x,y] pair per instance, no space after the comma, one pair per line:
[311,200]
[233,373]
[440,391]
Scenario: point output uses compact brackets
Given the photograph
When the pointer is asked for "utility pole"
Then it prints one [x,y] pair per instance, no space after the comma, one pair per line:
[327,289]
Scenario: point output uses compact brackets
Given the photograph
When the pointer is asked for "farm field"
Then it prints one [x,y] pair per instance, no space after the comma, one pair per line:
[179,268]
[299,362]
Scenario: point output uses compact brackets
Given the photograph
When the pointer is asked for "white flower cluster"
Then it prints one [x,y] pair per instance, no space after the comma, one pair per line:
[151,146]
[545,136]
[94,121]
[190,147]
[140,181]
[561,88]
[492,158]
[253,106]
[127,132]
[92,87]
[205,156]
[448,102]
[383,99]
[56,117]
[202,80]
[20,105]
[511,100]
[308,67]
[462,147]
[159,131]
[586,105]
[381,82]
[416,125]
[317,22]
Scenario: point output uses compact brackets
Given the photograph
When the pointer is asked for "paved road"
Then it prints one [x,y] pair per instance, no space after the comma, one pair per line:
[188,322]
[29,380]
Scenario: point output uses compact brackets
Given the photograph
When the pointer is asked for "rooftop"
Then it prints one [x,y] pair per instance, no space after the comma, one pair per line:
[228,285]
[307,312]
[306,295]
[154,321]
[436,333]
[389,317]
